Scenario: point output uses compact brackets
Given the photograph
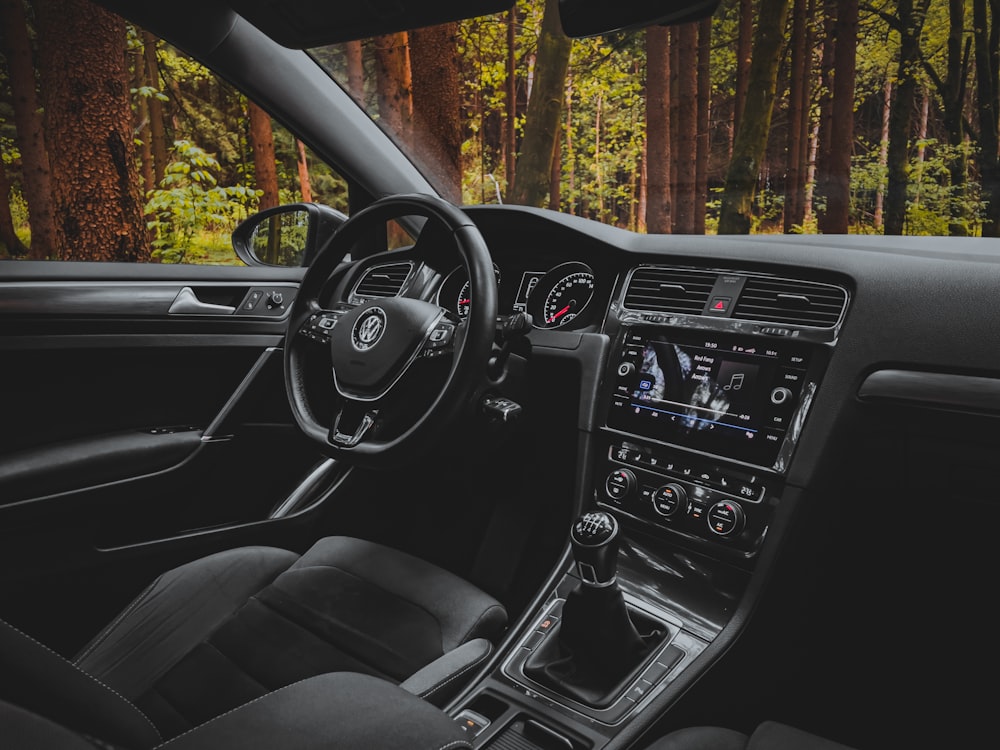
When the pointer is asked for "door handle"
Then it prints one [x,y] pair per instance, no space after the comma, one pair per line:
[187,303]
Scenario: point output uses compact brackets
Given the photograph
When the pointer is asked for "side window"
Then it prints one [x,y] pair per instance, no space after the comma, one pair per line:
[116,146]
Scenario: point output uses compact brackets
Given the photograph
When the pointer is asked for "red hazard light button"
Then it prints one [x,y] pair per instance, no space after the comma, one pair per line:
[719,305]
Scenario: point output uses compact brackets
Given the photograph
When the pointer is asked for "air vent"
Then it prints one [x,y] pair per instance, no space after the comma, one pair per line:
[382,281]
[669,290]
[799,303]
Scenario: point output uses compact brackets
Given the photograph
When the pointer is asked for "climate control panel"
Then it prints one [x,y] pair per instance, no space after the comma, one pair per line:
[689,495]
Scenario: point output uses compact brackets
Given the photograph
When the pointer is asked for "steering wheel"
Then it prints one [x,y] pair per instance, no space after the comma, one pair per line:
[373,345]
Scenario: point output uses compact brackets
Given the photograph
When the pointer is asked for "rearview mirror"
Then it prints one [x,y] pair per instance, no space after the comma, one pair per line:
[287,235]
[582,18]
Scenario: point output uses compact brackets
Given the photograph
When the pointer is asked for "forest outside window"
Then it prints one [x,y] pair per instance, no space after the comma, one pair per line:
[118,147]
[792,116]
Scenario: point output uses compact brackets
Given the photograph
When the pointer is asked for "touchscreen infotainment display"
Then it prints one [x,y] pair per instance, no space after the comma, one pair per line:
[720,393]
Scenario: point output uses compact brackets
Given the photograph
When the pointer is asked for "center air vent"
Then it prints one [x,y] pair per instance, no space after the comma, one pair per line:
[800,303]
[669,290]
[382,281]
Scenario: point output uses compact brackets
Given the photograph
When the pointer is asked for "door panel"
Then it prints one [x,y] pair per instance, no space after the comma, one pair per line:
[135,438]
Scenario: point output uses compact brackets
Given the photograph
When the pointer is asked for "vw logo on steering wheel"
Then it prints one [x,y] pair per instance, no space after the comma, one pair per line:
[368,329]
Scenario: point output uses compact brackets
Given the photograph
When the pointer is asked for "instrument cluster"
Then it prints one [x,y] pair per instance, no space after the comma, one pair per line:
[555,297]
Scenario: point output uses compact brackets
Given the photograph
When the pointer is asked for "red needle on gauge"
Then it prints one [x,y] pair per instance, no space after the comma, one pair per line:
[465,301]
[558,315]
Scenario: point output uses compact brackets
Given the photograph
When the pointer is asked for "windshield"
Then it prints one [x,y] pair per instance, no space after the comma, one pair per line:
[773,116]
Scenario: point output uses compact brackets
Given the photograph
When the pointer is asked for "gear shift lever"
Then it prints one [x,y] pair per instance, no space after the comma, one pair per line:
[595,548]
[596,645]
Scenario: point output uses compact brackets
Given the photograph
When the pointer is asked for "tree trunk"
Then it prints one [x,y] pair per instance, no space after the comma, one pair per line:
[687,130]
[807,207]
[743,48]
[143,130]
[807,124]
[531,183]
[437,105]
[10,243]
[797,111]
[704,111]
[570,154]
[555,179]
[88,122]
[305,185]
[953,101]
[751,138]
[265,168]
[354,62]
[657,161]
[673,120]
[837,181]
[510,122]
[394,83]
[156,123]
[883,154]
[641,210]
[911,21]
[988,86]
[35,167]
[822,162]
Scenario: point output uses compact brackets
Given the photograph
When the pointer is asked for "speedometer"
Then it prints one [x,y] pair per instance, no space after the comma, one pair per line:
[567,291]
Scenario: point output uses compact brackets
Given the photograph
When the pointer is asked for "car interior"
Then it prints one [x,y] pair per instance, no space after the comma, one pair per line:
[529,481]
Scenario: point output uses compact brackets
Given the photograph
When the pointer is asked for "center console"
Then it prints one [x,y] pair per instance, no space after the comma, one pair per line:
[698,417]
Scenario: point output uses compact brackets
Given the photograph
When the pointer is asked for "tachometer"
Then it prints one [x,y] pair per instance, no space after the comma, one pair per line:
[562,295]
[454,293]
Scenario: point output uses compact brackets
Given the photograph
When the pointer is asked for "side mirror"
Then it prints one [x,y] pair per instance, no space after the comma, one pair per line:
[289,235]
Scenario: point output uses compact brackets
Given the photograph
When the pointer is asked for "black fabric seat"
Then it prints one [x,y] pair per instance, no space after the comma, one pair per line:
[339,711]
[219,632]
[768,736]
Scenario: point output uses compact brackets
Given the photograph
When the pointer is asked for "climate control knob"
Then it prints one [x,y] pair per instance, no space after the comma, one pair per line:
[670,500]
[620,484]
[726,518]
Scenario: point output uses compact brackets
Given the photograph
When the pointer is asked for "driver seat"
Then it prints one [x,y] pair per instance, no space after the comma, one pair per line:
[224,630]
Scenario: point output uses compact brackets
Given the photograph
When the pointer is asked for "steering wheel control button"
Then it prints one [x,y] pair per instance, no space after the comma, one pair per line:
[726,518]
[369,329]
[669,499]
[440,337]
[620,484]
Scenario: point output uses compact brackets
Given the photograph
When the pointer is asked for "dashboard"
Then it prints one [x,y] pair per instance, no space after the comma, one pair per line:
[730,359]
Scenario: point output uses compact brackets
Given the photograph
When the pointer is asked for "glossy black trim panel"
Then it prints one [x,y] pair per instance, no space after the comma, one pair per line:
[933,390]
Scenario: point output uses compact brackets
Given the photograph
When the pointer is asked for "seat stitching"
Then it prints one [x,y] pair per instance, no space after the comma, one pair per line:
[102,684]
[232,710]
[455,743]
[457,674]
[103,636]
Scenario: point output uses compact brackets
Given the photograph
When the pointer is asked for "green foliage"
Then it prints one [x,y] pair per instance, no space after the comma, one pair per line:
[190,201]
[934,205]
